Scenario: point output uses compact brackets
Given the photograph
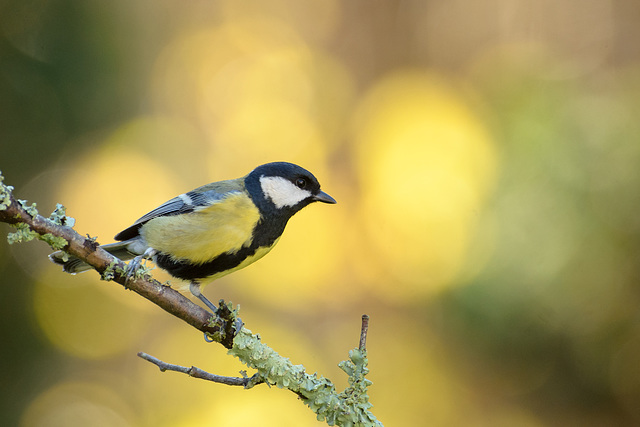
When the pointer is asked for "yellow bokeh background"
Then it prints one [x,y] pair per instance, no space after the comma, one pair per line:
[485,162]
[426,164]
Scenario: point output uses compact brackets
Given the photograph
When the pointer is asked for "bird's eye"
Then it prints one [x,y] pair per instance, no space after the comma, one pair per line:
[301,182]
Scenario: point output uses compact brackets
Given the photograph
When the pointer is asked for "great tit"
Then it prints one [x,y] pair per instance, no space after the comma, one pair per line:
[215,229]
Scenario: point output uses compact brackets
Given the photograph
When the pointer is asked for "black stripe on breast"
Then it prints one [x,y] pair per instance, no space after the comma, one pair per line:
[265,235]
[186,270]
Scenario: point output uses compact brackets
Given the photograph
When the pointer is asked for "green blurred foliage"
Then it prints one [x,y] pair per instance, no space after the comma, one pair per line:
[484,157]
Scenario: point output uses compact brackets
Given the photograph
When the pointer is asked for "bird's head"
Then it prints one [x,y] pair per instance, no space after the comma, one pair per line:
[284,187]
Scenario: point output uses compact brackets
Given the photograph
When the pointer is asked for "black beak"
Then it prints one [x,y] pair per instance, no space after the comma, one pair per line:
[324,198]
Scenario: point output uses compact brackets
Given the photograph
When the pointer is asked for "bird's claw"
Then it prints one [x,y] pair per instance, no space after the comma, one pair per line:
[132,267]
[135,264]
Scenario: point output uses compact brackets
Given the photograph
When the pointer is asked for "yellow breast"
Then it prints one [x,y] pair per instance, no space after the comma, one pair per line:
[200,236]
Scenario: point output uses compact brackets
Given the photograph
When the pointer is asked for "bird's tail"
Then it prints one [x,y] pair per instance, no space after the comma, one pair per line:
[74,265]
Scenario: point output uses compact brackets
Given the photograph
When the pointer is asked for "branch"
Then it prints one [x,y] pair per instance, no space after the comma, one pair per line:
[364,329]
[198,373]
[347,408]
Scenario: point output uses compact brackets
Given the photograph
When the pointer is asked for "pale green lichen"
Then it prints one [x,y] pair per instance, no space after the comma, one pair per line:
[112,269]
[355,396]
[348,408]
[22,234]
[59,216]
[55,242]
[217,336]
[142,270]
[5,194]
[31,210]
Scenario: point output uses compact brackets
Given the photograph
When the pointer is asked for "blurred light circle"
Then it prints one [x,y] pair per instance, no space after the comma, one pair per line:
[82,318]
[258,91]
[78,404]
[113,185]
[314,20]
[426,164]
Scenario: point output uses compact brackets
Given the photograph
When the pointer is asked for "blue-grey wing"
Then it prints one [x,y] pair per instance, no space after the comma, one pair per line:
[182,204]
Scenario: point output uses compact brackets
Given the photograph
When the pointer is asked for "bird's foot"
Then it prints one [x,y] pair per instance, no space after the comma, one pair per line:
[135,268]
[132,269]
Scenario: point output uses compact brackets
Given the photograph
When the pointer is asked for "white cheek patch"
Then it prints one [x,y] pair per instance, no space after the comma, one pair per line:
[282,192]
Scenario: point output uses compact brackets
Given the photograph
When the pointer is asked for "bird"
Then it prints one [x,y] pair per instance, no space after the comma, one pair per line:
[216,229]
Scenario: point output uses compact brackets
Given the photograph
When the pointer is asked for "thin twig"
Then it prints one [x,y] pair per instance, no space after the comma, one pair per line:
[363,332]
[195,372]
